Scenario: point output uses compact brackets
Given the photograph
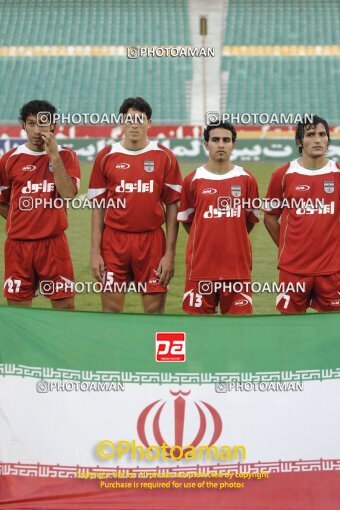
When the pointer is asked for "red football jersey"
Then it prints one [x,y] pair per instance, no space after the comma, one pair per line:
[26,175]
[135,185]
[219,245]
[308,203]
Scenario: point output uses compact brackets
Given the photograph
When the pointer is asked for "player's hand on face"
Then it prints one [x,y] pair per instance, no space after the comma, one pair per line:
[50,143]
[166,269]
[97,267]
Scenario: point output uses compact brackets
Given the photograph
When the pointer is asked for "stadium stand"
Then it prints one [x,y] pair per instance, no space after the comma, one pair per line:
[277,84]
[94,84]
[94,22]
[269,22]
[73,52]
[283,57]
[85,84]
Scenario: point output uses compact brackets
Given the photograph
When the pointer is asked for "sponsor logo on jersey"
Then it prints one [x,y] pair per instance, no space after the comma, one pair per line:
[302,187]
[123,166]
[28,168]
[149,166]
[335,303]
[36,187]
[209,191]
[322,209]
[328,186]
[241,302]
[170,346]
[139,187]
[236,191]
[215,212]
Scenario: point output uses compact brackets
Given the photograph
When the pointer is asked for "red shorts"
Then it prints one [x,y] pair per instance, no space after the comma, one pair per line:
[133,257]
[321,293]
[202,297]
[43,264]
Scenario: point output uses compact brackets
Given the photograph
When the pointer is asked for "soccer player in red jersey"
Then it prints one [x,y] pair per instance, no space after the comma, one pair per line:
[32,177]
[136,178]
[304,223]
[217,211]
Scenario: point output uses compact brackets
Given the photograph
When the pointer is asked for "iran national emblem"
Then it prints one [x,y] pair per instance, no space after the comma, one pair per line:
[236,191]
[181,409]
[149,166]
[328,186]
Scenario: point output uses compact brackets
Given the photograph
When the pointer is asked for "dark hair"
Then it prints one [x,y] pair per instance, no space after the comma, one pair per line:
[223,125]
[137,103]
[302,126]
[34,107]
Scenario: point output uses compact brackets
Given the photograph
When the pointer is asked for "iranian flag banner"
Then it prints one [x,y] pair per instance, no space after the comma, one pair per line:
[237,413]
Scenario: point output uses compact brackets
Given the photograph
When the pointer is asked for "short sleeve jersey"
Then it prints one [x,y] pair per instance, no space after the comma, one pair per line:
[25,176]
[308,202]
[219,246]
[135,185]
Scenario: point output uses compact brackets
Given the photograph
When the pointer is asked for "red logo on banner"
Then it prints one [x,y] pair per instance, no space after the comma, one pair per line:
[170,347]
[204,412]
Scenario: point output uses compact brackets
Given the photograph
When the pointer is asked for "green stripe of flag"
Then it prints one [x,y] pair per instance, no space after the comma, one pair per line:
[97,341]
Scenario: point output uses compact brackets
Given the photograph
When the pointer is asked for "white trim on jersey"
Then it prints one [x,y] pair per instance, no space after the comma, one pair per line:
[203,173]
[22,149]
[3,188]
[94,192]
[175,187]
[117,147]
[77,181]
[295,167]
[184,215]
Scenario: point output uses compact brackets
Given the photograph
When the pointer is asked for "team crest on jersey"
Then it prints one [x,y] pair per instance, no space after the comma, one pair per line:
[328,186]
[50,167]
[149,166]
[236,191]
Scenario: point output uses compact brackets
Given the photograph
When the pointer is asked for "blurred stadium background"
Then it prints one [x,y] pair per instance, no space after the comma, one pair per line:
[271,56]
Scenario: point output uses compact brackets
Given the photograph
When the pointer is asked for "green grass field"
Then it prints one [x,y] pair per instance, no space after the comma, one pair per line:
[264,253]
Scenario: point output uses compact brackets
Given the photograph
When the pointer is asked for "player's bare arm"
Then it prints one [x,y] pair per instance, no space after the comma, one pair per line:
[97,262]
[64,184]
[167,262]
[4,210]
[272,224]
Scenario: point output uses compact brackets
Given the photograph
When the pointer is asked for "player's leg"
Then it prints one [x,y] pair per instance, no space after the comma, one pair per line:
[113,302]
[154,303]
[20,279]
[147,249]
[297,300]
[53,264]
[199,299]
[236,298]
[326,293]
[12,302]
[115,250]
[63,304]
